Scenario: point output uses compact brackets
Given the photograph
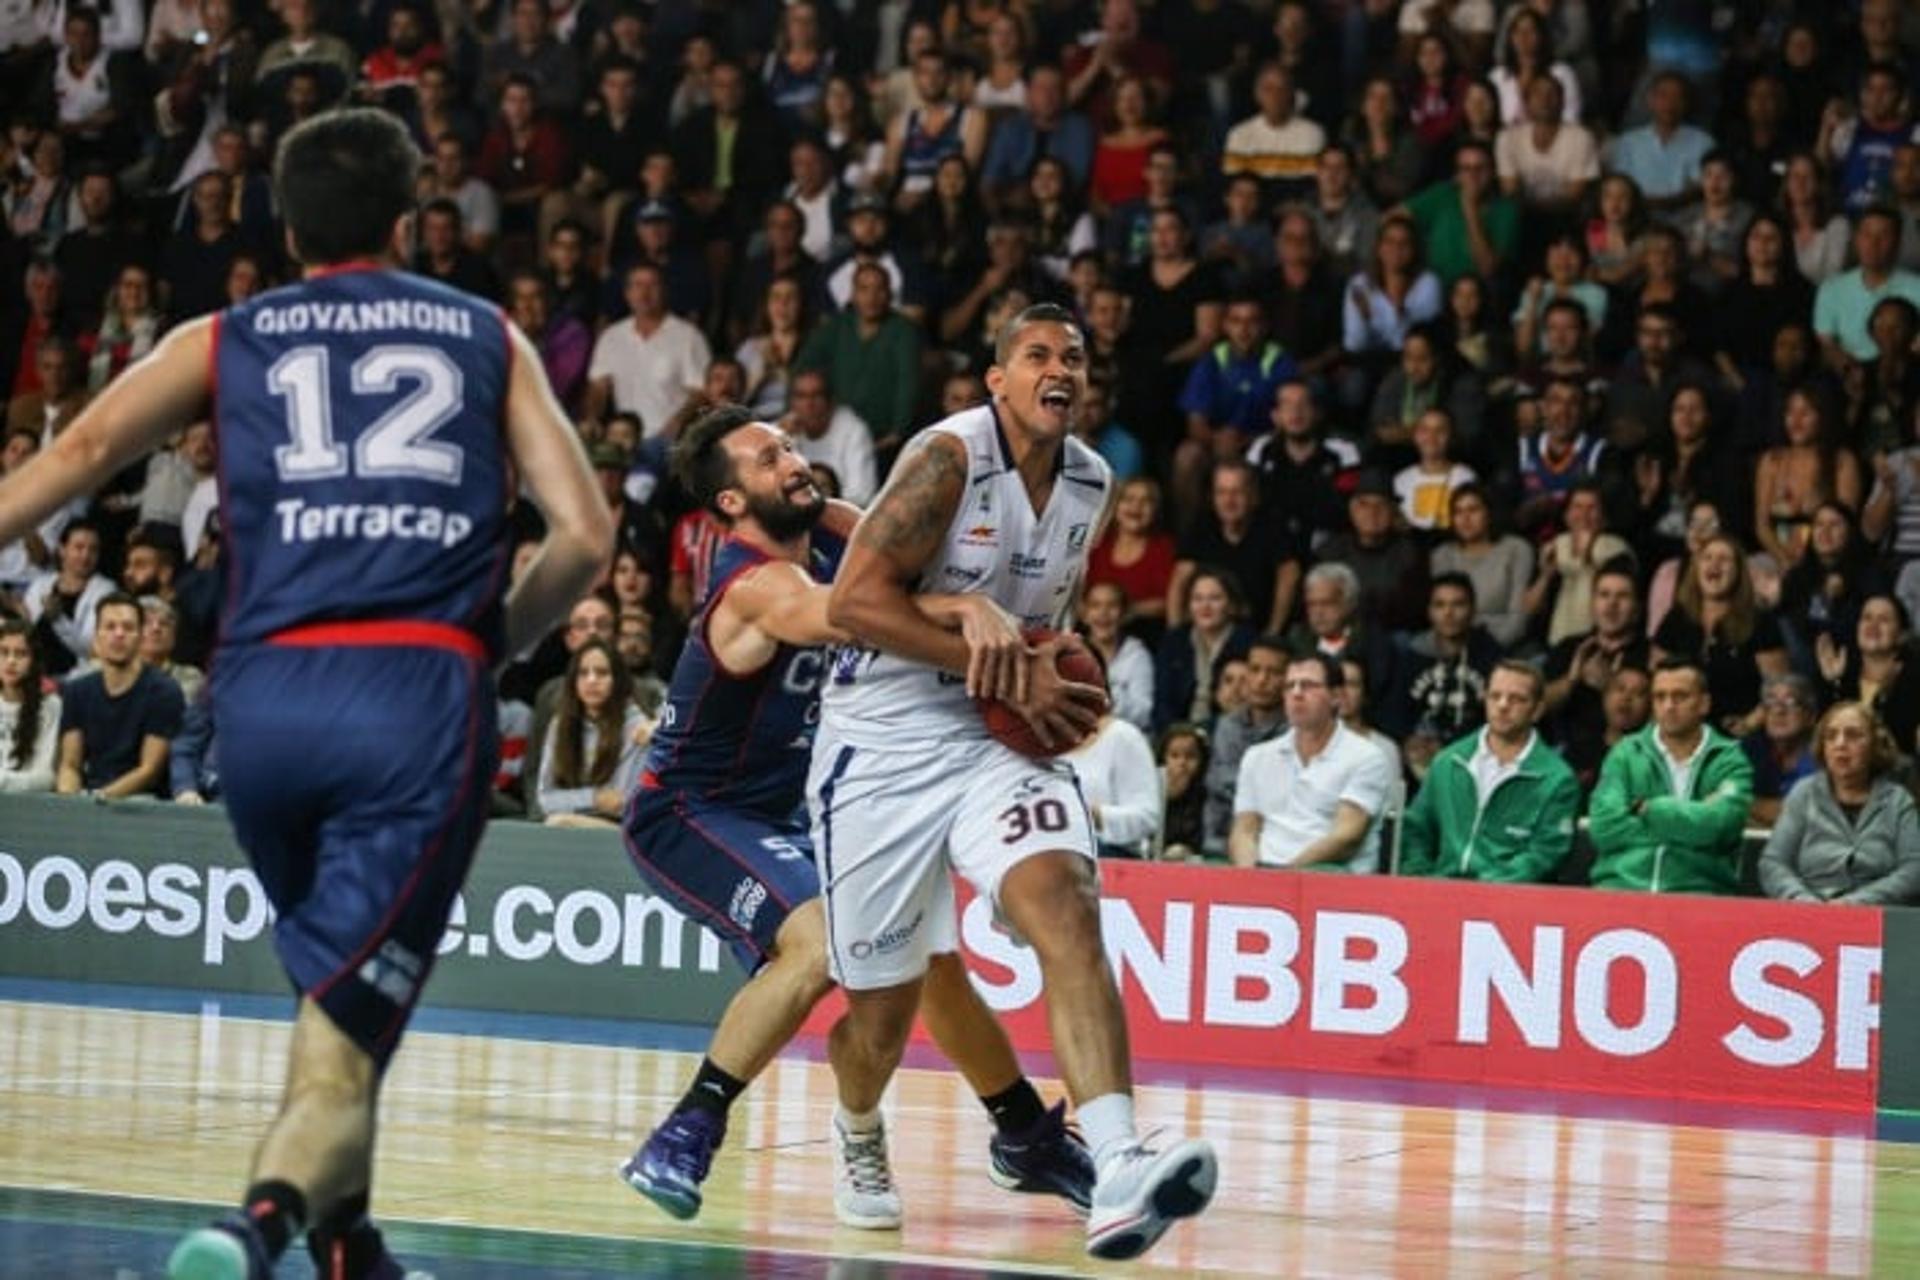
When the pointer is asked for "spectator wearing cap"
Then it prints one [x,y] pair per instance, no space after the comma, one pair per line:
[1781,749]
[1669,813]
[832,435]
[1309,797]
[871,356]
[1466,224]
[305,46]
[650,362]
[1498,804]
[1388,563]
[868,240]
[443,254]
[1045,127]
[656,240]
[1275,144]
[1663,156]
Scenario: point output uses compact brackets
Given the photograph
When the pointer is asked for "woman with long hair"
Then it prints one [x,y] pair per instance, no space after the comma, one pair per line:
[1613,232]
[768,355]
[1103,614]
[1395,292]
[854,147]
[1468,332]
[1824,593]
[1704,520]
[1120,156]
[950,228]
[1564,275]
[1768,292]
[1136,555]
[1434,93]
[1002,85]
[1849,832]
[1683,466]
[1500,565]
[1062,229]
[1184,756]
[1387,157]
[1528,54]
[29,715]
[1794,478]
[1877,668]
[129,326]
[593,752]
[1716,621]
[1820,236]
[796,70]
[1190,654]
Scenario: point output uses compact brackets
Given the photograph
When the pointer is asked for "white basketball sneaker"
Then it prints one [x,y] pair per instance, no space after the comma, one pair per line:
[863,1192]
[1141,1192]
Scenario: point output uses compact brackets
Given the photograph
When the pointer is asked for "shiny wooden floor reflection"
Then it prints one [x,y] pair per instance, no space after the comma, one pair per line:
[522,1134]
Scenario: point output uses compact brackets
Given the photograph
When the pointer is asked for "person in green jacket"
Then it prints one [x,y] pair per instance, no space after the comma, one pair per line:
[1498,804]
[1670,809]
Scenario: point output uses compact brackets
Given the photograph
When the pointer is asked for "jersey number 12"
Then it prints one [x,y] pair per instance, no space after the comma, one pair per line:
[400,442]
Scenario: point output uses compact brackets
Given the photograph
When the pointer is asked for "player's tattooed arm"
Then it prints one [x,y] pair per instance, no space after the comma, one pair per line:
[898,537]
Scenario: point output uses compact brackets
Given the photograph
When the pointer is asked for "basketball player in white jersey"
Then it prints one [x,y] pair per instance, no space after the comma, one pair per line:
[999,505]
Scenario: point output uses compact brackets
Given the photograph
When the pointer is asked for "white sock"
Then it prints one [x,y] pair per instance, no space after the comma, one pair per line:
[1107,1123]
[857,1121]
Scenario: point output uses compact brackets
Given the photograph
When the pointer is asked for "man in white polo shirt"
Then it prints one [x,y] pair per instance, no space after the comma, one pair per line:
[1311,796]
[648,363]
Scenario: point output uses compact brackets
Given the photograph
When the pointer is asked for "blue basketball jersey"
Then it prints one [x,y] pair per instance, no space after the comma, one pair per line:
[363,463]
[744,738]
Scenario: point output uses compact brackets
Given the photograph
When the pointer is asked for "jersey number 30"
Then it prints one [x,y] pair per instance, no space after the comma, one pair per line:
[400,442]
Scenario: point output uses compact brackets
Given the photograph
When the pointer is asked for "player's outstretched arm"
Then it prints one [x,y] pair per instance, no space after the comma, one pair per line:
[839,518]
[781,602]
[898,537]
[161,395]
[579,540]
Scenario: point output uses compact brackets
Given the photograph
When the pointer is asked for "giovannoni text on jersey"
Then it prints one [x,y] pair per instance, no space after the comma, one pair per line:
[364,317]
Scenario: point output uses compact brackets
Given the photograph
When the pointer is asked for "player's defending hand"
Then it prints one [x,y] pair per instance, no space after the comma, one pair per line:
[1059,709]
[997,654]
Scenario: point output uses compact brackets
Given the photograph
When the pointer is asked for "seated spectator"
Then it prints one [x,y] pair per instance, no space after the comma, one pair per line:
[525,156]
[94,95]
[1792,479]
[1848,832]
[768,354]
[1781,749]
[1641,388]
[1344,216]
[938,127]
[1670,810]
[1625,702]
[1263,717]
[1858,146]
[1274,144]
[633,640]
[1443,689]
[1426,487]
[116,723]
[305,46]
[1714,228]
[1883,396]
[1332,624]
[1498,804]
[29,714]
[22,560]
[1121,786]
[1046,128]
[1467,226]
[1352,708]
[1717,625]
[1820,236]
[1688,466]
[1425,378]
[591,757]
[1192,650]
[1500,568]
[649,363]
[1567,564]
[1663,156]
[92,253]
[1766,293]
[565,345]
[1703,522]
[1823,594]
[1240,242]
[1183,768]
[1391,570]
[64,603]
[1878,668]
[1227,395]
[1559,459]
[1565,278]
[129,328]
[529,48]
[1305,474]
[1387,155]
[390,72]
[1129,666]
[194,767]
[1309,797]
[1305,303]
[1234,534]
[1395,293]
[831,434]
[1062,230]
[871,356]
[1136,555]
[1174,320]
[1845,302]
[62,392]
[448,177]
[159,629]
[445,255]
[194,263]
[1095,424]
[1579,666]
[1546,158]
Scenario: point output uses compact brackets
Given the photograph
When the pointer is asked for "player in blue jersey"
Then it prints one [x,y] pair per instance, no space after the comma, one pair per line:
[719,825]
[367,421]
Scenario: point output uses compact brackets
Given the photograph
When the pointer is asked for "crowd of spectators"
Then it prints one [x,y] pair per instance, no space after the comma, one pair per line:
[1522,392]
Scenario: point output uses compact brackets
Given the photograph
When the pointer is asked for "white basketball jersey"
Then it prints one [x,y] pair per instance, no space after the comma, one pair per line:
[1030,564]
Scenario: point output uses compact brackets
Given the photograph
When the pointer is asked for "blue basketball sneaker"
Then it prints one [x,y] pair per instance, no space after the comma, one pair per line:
[1050,1159]
[670,1166]
[230,1249]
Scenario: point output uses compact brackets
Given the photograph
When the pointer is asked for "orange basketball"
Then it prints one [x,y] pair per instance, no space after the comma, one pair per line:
[1076,663]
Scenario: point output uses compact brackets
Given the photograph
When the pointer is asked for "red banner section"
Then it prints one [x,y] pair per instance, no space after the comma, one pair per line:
[1728,1000]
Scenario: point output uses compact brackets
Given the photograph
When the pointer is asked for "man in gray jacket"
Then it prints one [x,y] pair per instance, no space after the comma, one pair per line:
[1264,717]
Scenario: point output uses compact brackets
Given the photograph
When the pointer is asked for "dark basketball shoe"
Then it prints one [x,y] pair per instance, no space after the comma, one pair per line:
[1050,1159]
[230,1249]
[670,1166]
[360,1254]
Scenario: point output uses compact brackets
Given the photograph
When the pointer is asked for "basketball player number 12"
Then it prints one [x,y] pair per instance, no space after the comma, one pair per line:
[399,443]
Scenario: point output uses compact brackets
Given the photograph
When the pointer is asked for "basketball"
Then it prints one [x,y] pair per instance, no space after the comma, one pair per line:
[1076,663]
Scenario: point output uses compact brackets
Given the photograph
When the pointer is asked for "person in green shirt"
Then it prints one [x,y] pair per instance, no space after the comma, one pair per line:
[1498,804]
[1469,227]
[871,356]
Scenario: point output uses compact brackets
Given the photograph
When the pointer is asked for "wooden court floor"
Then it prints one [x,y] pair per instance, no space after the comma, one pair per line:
[107,1107]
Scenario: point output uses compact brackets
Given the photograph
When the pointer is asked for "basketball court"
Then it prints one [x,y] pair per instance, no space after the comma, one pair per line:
[127,1115]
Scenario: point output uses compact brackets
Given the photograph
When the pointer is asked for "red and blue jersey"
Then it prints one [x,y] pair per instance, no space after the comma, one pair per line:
[363,463]
[742,738]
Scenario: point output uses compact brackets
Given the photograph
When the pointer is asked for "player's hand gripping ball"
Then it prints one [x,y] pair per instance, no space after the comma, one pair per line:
[1075,663]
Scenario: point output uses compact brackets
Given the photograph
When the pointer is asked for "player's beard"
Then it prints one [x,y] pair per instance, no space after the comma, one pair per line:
[785,516]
